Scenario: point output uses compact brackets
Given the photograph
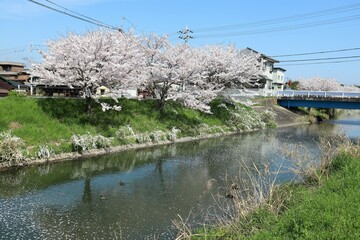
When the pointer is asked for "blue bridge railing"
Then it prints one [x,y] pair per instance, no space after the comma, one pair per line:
[318,94]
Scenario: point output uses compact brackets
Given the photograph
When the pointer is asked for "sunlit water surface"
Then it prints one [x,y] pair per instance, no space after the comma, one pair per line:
[137,194]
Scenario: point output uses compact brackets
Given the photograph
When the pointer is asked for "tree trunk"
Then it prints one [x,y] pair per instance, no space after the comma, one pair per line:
[88,101]
[161,103]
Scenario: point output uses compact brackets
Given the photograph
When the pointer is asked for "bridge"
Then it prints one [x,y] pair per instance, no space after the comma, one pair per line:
[319,99]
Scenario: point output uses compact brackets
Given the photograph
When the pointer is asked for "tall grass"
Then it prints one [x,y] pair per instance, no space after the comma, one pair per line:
[324,205]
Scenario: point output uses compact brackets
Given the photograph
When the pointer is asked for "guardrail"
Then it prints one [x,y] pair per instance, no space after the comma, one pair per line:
[322,94]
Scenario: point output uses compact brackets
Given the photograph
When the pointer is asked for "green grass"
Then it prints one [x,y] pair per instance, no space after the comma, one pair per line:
[327,212]
[54,121]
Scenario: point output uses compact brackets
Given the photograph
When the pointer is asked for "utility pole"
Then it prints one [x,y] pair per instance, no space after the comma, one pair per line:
[185,34]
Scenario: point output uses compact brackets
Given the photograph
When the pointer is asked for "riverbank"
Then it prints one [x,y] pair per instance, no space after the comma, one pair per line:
[47,126]
[328,211]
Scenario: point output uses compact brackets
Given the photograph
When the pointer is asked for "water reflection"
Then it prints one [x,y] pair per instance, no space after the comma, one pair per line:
[135,193]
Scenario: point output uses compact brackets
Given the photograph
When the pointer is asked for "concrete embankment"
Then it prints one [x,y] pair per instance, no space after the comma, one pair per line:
[284,117]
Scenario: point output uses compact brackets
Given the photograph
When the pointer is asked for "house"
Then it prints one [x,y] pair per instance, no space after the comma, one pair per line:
[7,85]
[269,81]
[57,90]
[14,71]
[278,79]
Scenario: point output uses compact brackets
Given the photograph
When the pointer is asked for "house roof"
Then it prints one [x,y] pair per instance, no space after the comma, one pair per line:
[3,91]
[6,73]
[12,63]
[270,59]
[14,84]
[279,68]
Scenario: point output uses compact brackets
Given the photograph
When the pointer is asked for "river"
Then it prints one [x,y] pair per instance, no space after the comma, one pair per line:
[136,194]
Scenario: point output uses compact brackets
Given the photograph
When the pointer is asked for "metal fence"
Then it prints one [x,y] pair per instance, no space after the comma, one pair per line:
[318,94]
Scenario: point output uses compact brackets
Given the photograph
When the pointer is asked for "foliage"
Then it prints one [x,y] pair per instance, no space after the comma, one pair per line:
[124,132]
[11,148]
[244,118]
[86,141]
[44,152]
[268,117]
[221,108]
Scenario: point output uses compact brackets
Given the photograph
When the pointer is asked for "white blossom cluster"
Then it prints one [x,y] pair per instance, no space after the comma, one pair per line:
[87,141]
[324,84]
[11,148]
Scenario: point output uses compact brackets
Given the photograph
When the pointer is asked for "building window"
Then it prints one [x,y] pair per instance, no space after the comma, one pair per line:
[6,68]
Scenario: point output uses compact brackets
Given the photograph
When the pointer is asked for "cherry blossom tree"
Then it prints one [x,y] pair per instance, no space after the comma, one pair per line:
[228,67]
[195,76]
[98,58]
[171,71]
[319,84]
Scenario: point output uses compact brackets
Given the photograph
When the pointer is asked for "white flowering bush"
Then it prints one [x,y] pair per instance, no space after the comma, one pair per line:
[85,142]
[204,128]
[268,117]
[44,152]
[11,148]
[172,135]
[142,138]
[157,136]
[124,132]
[244,119]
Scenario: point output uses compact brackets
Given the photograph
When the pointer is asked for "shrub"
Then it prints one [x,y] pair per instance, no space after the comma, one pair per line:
[44,152]
[158,136]
[172,135]
[124,132]
[142,138]
[221,108]
[268,117]
[11,148]
[85,142]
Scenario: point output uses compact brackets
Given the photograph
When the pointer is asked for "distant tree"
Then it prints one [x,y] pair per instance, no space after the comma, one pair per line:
[97,58]
[323,84]
[319,84]
[294,85]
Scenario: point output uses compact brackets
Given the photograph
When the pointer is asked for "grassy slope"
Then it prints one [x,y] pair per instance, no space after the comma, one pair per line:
[328,212]
[54,121]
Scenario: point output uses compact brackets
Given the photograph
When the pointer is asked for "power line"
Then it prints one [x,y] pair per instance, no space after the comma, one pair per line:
[273,21]
[316,63]
[85,19]
[319,59]
[283,28]
[330,11]
[79,14]
[314,53]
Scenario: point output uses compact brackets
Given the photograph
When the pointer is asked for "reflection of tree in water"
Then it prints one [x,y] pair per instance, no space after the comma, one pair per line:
[160,183]
[87,190]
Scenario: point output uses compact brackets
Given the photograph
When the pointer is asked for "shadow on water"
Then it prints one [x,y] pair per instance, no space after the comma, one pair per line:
[135,193]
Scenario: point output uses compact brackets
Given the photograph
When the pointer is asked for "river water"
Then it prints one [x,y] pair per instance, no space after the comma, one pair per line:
[137,194]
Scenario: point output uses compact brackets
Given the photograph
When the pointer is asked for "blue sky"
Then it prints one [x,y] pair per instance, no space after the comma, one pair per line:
[25,24]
